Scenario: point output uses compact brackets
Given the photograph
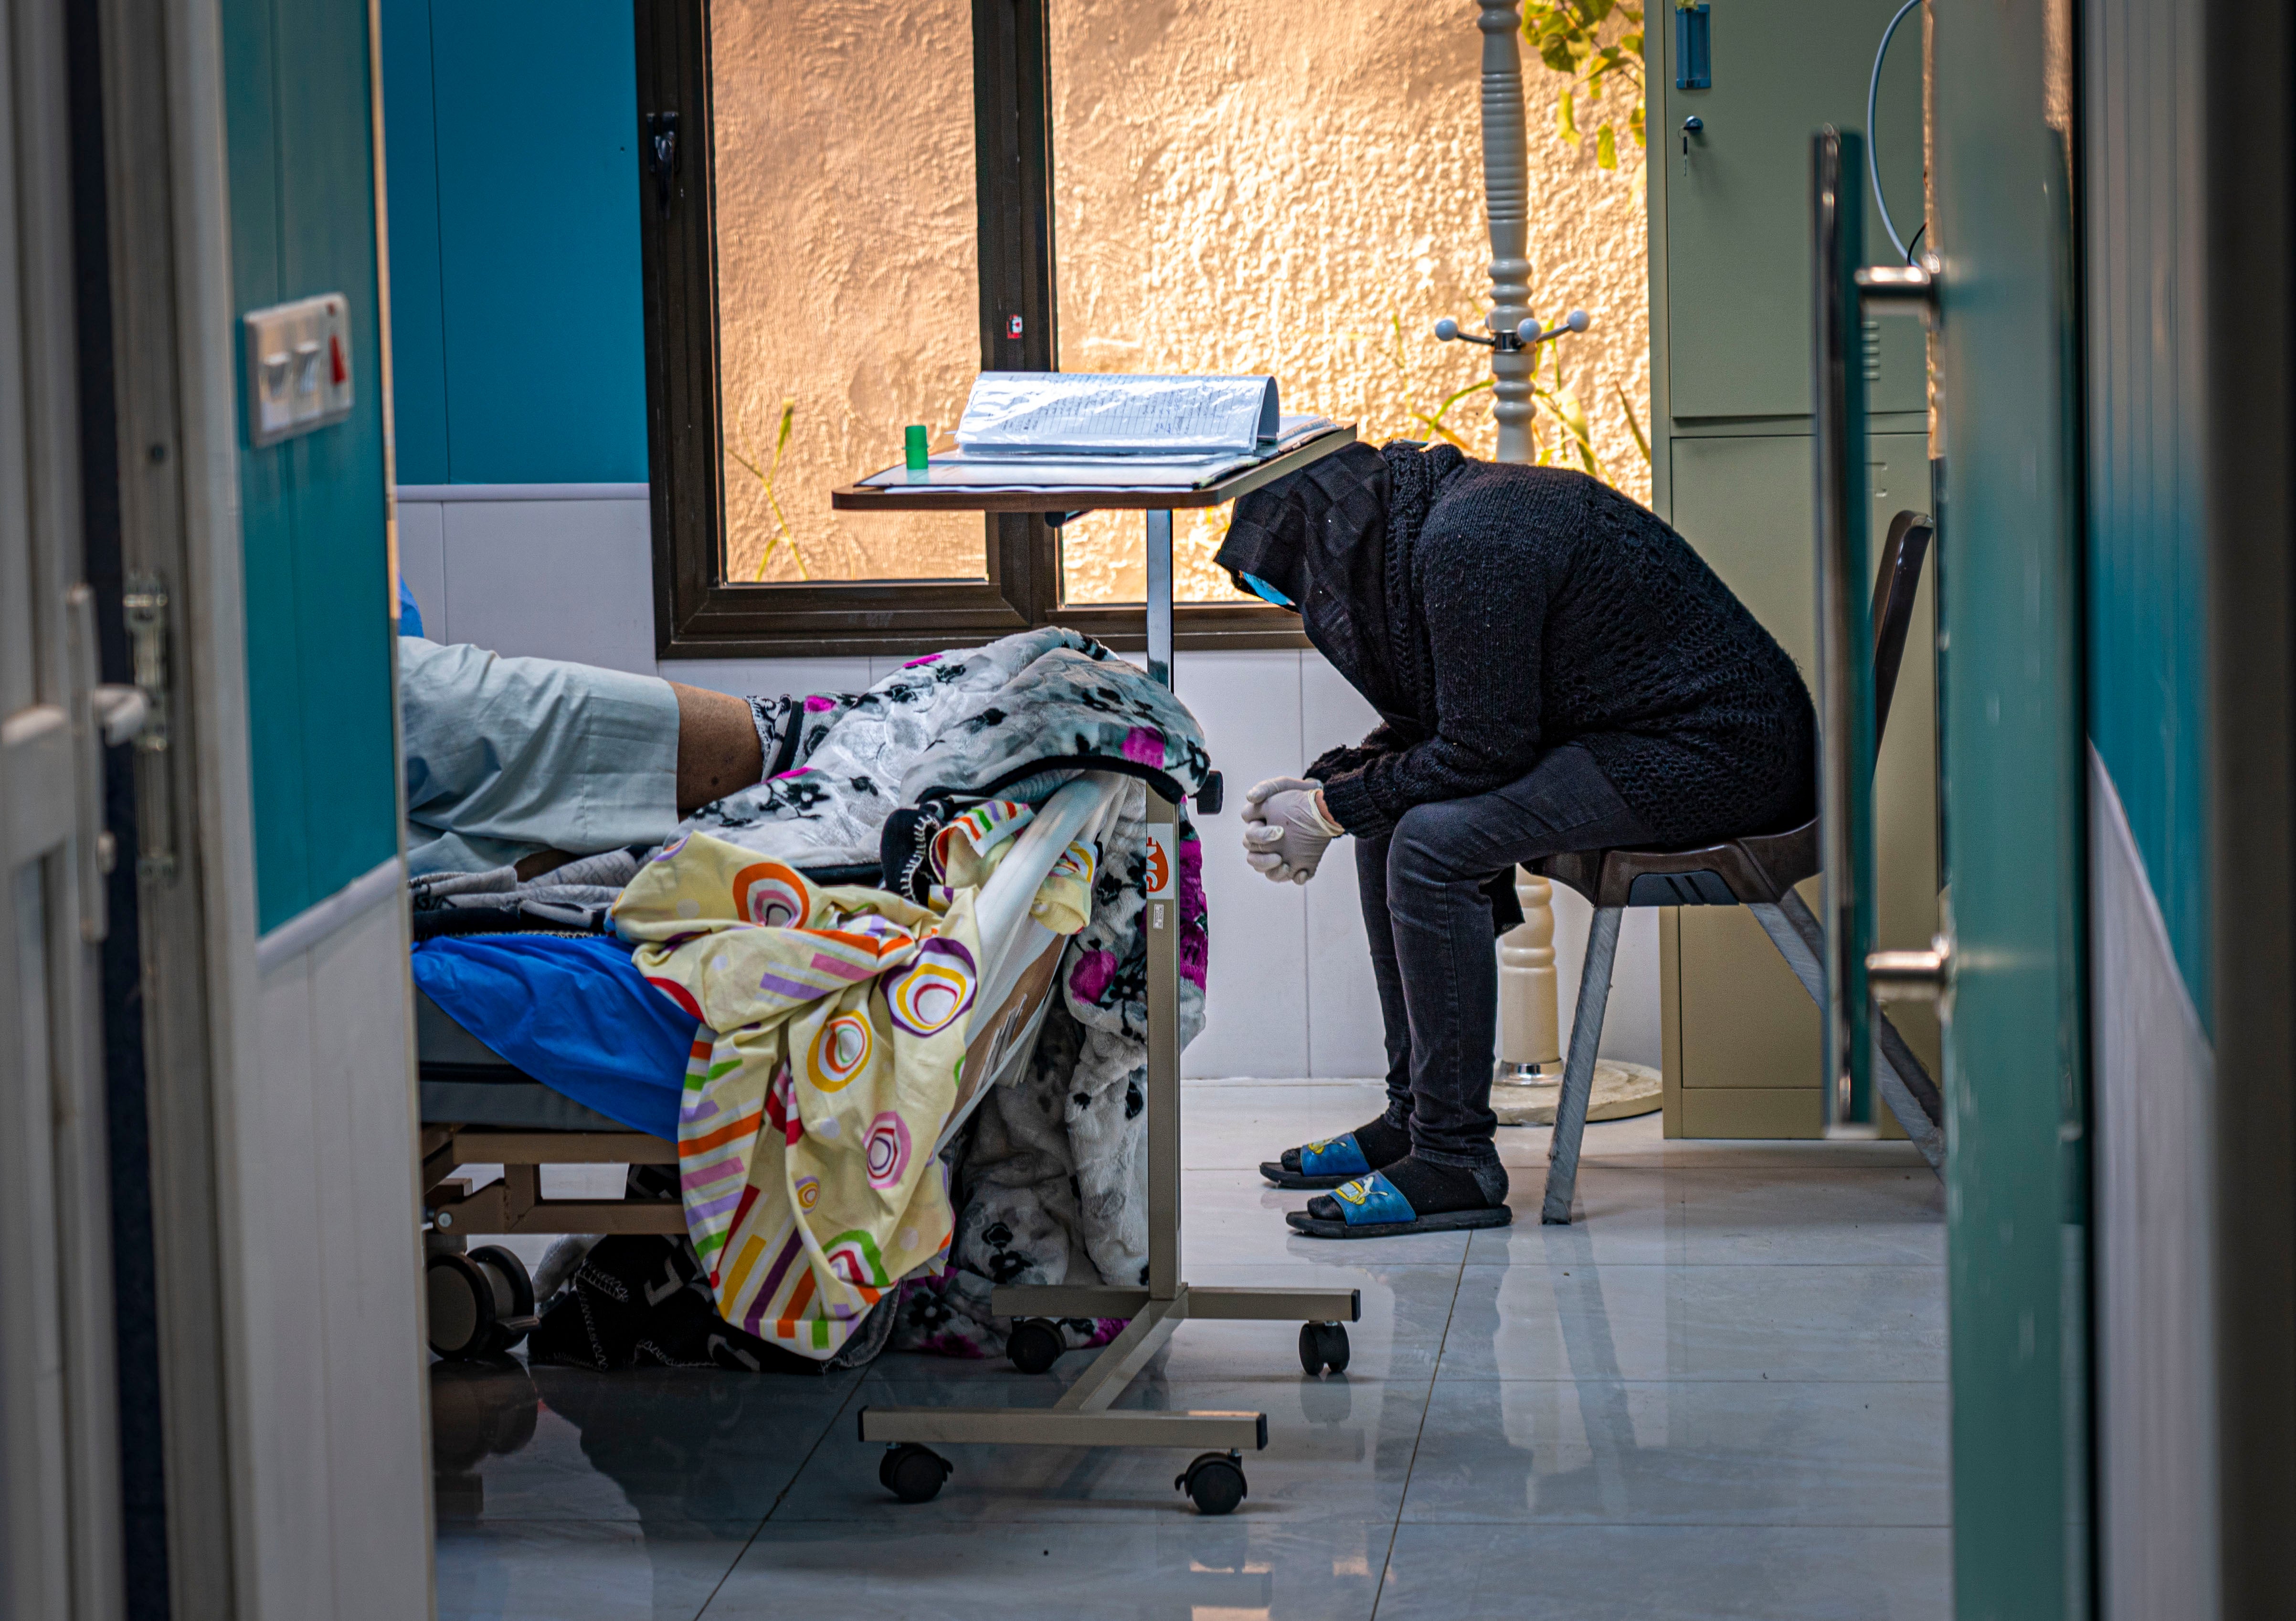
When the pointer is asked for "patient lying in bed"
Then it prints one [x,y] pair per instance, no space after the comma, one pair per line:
[851,814]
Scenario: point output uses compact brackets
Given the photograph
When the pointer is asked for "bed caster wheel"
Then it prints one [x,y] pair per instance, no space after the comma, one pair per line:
[1035,1345]
[913,1473]
[1214,1482]
[1323,1345]
[482,1303]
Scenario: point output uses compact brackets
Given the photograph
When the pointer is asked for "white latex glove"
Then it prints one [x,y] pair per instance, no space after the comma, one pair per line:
[1285,831]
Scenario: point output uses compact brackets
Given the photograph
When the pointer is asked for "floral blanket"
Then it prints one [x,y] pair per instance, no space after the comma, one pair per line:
[1050,1184]
[834,1030]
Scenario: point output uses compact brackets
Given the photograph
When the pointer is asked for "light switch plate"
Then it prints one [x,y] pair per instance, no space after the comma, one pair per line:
[298,367]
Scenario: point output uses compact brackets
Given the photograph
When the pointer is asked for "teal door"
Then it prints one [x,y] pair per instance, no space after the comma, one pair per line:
[2011,716]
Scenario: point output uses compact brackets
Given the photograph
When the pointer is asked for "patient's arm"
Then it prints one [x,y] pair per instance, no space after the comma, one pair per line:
[718,749]
[717,752]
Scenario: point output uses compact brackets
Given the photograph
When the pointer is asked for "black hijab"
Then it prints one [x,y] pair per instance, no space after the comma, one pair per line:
[1335,537]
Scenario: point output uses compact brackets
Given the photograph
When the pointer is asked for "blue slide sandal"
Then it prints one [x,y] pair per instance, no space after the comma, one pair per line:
[1318,1165]
[1374,1208]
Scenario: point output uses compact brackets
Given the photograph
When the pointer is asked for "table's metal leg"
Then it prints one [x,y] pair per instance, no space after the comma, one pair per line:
[1160,598]
[1163,956]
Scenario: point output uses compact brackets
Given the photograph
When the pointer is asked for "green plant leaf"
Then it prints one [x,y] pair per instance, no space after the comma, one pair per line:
[1606,147]
[1634,424]
[1566,123]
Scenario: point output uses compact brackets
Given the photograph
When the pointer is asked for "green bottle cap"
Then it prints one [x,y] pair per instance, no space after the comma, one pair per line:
[913,437]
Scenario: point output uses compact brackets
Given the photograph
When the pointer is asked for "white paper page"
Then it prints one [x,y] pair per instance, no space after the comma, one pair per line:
[1053,413]
[964,470]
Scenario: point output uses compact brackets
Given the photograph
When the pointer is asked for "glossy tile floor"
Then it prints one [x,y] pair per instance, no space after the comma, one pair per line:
[1719,1394]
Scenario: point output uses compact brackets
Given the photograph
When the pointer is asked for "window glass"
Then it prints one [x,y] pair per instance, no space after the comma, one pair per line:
[848,276]
[1246,187]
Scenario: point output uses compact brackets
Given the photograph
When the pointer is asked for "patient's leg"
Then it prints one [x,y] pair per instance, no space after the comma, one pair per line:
[717,746]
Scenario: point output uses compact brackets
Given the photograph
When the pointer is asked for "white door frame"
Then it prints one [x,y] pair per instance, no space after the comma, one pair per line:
[60,1508]
[169,221]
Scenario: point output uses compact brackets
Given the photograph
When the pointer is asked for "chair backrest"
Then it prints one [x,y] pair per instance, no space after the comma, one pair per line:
[1895,583]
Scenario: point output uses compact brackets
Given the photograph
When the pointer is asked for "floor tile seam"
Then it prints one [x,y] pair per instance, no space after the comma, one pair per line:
[744,1524]
[1442,1341]
[1443,1378]
[1677,1381]
[780,1497]
[1598,1265]
[1695,1525]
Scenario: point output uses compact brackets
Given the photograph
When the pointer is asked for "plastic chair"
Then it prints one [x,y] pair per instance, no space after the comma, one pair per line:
[1758,872]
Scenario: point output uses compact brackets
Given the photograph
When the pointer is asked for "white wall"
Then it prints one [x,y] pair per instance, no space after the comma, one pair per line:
[2153,1121]
[1291,985]
[320,1198]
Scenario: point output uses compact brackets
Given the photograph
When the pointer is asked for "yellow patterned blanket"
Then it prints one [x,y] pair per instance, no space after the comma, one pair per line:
[834,1033]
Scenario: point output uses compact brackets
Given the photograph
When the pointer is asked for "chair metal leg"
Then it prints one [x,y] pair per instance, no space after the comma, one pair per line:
[1913,1097]
[1578,1068]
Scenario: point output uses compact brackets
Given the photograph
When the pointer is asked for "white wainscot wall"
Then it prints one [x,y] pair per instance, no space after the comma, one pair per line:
[2154,1120]
[533,573]
[323,1211]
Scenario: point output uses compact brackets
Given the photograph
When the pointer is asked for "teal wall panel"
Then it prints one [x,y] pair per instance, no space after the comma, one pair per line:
[520,120]
[418,349]
[320,654]
[2147,579]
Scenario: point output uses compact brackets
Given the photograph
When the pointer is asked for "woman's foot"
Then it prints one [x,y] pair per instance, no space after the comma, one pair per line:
[1342,1158]
[1413,1195]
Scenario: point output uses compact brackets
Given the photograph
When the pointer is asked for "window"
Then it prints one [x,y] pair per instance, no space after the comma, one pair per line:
[851,205]
[847,215]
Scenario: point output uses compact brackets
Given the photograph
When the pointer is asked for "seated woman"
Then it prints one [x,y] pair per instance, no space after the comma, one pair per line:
[1554,669]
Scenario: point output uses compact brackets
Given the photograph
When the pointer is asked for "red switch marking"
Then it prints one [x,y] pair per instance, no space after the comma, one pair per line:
[335,354]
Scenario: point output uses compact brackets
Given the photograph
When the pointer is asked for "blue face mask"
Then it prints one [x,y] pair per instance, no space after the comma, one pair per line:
[1265,592]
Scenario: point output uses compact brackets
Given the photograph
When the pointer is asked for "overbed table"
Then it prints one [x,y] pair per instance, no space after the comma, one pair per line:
[1083,1416]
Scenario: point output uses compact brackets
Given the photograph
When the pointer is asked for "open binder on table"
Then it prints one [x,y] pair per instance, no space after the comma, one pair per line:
[1037,431]
[1043,442]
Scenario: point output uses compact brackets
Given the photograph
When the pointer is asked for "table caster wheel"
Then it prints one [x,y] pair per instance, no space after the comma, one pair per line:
[1323,1345]
[1035,1345]
[1214,1482]
[913,1473]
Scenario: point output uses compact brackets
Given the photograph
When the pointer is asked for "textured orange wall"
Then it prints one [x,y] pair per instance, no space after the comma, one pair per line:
[847,269]
[1245,185]
[1240,186]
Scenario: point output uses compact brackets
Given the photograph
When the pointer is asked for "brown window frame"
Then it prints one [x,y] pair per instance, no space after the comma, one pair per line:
[700,615]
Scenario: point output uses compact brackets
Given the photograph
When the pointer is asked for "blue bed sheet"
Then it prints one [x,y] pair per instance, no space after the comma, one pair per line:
[574,1013]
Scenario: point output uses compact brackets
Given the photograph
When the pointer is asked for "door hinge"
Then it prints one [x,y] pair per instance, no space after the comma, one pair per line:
[145,607]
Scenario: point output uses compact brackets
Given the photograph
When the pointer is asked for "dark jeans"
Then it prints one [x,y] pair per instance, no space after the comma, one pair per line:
[1430,935]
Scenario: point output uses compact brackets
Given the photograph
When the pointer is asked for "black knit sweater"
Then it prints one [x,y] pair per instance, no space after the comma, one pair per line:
[1491,612]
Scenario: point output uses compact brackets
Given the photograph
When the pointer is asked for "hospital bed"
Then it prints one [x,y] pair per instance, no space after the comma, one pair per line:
[480,1109]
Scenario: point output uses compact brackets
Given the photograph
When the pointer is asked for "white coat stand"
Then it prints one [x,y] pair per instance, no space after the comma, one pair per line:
[1085,1414]
[1531,1051]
